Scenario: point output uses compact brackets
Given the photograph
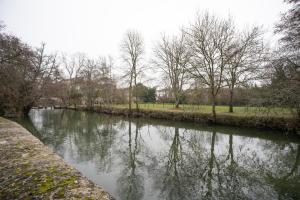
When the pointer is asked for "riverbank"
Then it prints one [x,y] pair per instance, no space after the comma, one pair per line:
[285,124]
[30,170]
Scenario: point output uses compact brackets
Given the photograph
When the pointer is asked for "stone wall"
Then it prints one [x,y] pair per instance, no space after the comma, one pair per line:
[30,170]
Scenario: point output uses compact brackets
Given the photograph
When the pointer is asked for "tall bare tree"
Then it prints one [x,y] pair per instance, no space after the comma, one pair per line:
[284,87]
[73,66]
[289,25]
[24,74]
[106,80]
[284,68]
[36,76]
[209,39]
[244,60]
[90,74]
[132,48]
[172,57]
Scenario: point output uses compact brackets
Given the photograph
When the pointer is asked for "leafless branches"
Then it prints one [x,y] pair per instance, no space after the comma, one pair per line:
[245,58]
[73,66]
[172,56]
[24,74]
[211,51]
[209,39]
[132,49]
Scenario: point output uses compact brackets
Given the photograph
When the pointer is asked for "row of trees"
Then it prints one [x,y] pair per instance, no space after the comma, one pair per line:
[211,54]
[25,73]
[215,54]
[211,51]
[285,67]
[89,78]
[28,74]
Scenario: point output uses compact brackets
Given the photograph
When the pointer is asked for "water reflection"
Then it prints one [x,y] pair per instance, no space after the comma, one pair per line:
[131,182]
[138,159]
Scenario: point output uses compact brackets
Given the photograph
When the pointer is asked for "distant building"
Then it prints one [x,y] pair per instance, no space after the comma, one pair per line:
[166,92]
[164,95]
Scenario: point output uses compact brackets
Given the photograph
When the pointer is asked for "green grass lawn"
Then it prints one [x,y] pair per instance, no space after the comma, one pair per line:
[223,110]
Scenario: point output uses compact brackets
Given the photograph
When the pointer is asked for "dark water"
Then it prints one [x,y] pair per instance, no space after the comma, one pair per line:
[153,159]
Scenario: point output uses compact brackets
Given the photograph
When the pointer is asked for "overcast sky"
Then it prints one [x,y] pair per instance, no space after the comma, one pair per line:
[96,27]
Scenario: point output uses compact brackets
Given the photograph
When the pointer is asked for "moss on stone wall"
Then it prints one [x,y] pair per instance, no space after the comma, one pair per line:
[30,170]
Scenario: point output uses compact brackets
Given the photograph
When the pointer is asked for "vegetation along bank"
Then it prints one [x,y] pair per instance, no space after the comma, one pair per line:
[274,122]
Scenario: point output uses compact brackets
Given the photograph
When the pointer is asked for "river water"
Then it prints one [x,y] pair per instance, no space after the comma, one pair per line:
[150,159]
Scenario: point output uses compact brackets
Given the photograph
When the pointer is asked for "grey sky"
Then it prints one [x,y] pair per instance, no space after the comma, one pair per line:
[96,27]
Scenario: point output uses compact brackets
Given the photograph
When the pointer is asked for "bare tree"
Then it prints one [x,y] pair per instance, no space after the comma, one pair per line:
[172,57]
[73,66]
[283,90]
[132,49]
[244,60]
[90,74]
[14,56]
[106,80]
[24,74]
[11,47]
[289,25]
[37,78]
[209,39]
[112,90]
[284,67]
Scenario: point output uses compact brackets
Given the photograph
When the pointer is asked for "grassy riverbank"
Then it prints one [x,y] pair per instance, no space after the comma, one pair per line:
[221,110]
[277,119]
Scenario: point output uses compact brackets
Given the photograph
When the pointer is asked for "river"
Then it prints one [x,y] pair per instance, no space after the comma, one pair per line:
[148,159]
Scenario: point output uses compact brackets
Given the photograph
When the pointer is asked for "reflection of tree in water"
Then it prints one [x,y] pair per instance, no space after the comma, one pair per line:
[241,176]
[197,164]
[194,170]
[226,177]
[28,125]
[95,139]
[286,179]
[131,182]
[231,182]
[89,136]
[172,179]
[169,176]
[234,177]
[49,124]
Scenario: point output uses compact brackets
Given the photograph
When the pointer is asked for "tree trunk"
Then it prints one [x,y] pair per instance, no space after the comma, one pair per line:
[130,97]
[26,110]
[136,92]
[177,99]
[214,109]
[231,149]
[211,166]
[136,104]
[130,93]
[91,103]
[231,100]
[177,104]
[136,100]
